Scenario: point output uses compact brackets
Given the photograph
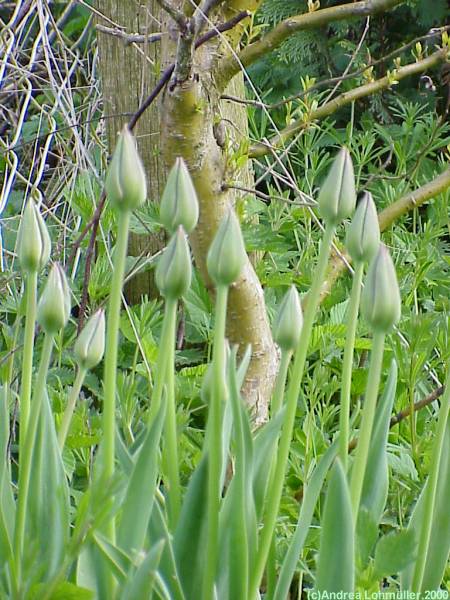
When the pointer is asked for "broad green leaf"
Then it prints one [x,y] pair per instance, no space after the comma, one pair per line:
[48,508]
[138,502]
[335,567]
[310,497]
[189,537]
[366,536]
[140,582]
[63,591]
[376,478]
[394,552]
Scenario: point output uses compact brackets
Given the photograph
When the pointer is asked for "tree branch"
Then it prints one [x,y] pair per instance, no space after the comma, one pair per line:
[129,38]
[387,216]
[177,15]
[231,65]
[263,148]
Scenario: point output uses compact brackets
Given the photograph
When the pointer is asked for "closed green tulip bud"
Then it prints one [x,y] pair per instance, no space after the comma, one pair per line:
[179,204]
[380,300]
[337,196]
[53,309]
[174,269]
[289,320]
[363,233]
[226,256]
[90,344]
[125,183]
[33,241]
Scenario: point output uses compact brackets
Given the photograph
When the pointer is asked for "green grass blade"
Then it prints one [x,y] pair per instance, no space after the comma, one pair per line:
[310,498]
[118,562]
[139,497]
[335,568]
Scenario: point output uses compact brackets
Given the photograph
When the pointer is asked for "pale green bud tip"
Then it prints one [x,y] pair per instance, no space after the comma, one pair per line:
[125,183]
[90,344]
[53,309]
[226,256]
[33,242]
[179,203]
[380,301]
[288,322]
[174,269]
[363,233]
[337,196]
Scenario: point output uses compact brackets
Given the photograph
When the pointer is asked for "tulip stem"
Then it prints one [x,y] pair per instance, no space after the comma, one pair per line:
[431,490]
[28,347]
[170,454]
[280,382]
[276,489]
[67,417]
[112,339]
[214,442]
[368,415]
[352,320]
[26,456]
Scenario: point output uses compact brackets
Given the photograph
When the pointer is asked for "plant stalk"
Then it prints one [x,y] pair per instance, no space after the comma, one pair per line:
[352,320]
[368,415]
[280,382]
[28,347]
[112,340]
[26,456]
[430,498]
[67,417]
[170,454]
[275,492]
[214,445]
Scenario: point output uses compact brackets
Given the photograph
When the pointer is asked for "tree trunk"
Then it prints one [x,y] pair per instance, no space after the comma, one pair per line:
[128,74]
[187,122]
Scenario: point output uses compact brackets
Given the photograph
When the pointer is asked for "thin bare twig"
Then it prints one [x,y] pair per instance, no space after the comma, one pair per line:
[130,38]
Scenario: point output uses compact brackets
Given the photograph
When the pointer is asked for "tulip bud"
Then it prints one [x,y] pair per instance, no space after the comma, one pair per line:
[53,309]
[125,183]
[90,344]
[179,204]
[289,320]
[337,196]
[363,233]
[33,241]
[174,270]
[226,255]
[380,301]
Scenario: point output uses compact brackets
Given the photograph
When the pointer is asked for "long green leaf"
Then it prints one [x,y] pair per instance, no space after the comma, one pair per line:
[335,567]
[304,522]
[139,497]
[189,538]
[48,508]
[439,548]
[140,583]
[376,478]
[7,506]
